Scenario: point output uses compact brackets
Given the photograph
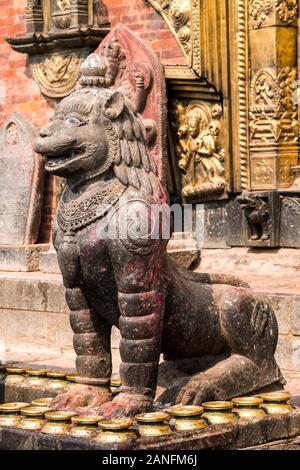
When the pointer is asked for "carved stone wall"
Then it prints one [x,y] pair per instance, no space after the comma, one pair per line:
[21,183]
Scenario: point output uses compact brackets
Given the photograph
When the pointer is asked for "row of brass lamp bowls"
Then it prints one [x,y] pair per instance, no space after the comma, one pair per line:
[53,380]
[39,417]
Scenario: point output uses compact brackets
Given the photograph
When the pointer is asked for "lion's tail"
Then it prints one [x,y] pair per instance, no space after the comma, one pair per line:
[206,278]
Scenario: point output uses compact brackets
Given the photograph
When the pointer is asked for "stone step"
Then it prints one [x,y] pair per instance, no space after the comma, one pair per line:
[252,261]
[34,321]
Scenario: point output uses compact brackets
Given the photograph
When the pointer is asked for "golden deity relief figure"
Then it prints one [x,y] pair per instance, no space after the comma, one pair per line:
[201,157]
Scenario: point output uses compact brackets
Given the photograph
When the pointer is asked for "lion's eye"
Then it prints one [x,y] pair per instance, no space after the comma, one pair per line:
[73,121]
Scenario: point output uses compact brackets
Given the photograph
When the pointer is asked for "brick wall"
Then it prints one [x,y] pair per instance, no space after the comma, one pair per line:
[139,16]
[19,92]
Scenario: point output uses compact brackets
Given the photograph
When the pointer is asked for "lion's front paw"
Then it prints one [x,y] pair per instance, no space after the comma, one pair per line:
[126,404]
[197,390]
[81,397]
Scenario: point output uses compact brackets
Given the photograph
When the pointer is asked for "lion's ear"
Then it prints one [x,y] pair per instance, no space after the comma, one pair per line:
[114,105]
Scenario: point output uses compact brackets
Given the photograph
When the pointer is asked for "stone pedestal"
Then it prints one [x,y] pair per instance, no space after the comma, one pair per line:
[183,250]
[276,432]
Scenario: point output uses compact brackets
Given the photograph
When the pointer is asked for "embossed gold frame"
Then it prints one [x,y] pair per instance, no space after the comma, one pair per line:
[220,66]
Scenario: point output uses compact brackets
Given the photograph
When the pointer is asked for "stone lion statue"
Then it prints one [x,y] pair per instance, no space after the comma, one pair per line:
[117,273]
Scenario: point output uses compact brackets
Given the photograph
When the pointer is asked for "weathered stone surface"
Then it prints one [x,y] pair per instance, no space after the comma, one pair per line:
[32,292]
[236,224]
[16,439]
[21,183]
[184,258]
[255,262]
[283,445]
[290,221]
[48,262]
[282,306]
[24,258]
[214,226]
[35,328]
[295,320]
[24,394]
[288,352]
[183,251]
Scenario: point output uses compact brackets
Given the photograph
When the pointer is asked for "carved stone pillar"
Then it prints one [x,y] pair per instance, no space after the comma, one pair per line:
[273,116]
[79,11]
[34,17]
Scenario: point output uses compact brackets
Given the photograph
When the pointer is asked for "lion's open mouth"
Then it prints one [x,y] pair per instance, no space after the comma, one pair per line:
[64,158]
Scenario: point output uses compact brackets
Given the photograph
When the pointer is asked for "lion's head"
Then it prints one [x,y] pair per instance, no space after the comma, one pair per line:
[94,131]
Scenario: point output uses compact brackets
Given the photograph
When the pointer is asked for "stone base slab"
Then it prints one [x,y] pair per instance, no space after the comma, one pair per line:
[183,250]
[48,262]
[23,258]
[274,432]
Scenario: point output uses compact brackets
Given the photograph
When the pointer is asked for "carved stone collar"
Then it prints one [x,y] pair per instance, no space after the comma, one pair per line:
[88,207]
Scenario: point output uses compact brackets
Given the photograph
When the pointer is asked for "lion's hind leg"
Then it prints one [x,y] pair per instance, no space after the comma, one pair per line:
[249,327]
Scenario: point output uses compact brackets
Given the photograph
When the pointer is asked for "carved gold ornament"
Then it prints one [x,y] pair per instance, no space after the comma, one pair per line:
[200,155]
[263,173]
[259,11]
[273,114]
[57,74]
[285,172]
[287,10]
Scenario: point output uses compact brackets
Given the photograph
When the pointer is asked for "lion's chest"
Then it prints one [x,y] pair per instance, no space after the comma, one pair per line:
[84,261]
[95,263]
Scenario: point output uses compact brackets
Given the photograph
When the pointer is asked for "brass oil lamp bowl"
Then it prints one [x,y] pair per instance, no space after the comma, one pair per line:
[115,431]
[276,402]
[218,412]
[85,427]
[58,422]
[44,402]
[36,378]
[248,407]
[33,418]
[115,385]
[57,380]
[187,418]
[154,424]
[71,377]
[16,375]
[10,413]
